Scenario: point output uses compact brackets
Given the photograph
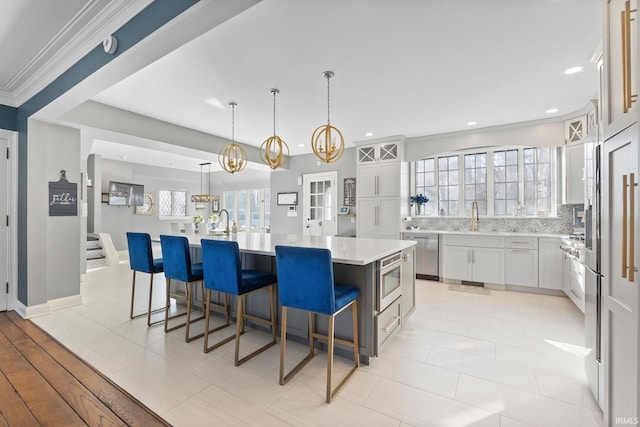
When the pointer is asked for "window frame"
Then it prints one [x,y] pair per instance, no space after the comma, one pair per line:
[172,216]
[554,196]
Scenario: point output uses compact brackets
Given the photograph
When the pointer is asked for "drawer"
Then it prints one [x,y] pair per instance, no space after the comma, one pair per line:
[388,324]
[521,242]
[471,240]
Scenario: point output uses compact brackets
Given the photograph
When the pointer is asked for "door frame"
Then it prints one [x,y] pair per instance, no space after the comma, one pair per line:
[12,211]
[305,205]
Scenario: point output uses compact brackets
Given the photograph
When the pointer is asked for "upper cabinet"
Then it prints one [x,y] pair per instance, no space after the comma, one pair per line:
[378,153]
[575,130]
[573,165]
[621,75]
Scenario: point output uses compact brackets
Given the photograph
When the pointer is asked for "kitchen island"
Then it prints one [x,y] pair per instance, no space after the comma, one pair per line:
[357,262]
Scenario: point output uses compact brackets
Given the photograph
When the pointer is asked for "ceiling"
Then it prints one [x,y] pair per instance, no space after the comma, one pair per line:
[409,67]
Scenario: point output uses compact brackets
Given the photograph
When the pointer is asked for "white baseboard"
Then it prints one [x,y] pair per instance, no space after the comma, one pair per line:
[28,312]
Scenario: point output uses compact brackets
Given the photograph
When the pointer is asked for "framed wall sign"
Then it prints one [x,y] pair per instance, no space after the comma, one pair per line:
[63,197]
[148,205]
[349,192]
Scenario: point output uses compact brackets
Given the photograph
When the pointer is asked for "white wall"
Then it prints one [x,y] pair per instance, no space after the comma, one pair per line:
[53,250]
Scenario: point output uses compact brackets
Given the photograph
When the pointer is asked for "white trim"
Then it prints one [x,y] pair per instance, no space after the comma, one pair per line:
[28,312]
[12,210]
[83,33]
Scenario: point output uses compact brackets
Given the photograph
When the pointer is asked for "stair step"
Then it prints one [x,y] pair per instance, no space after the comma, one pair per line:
[92,239]
[91,258]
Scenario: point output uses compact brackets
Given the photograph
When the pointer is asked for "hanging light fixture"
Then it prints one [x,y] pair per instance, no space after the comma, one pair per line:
[324,144]
[202,198]
[232,157]
[274,151]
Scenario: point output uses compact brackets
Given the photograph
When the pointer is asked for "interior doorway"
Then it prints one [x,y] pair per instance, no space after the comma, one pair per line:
[320,199]
[7,227]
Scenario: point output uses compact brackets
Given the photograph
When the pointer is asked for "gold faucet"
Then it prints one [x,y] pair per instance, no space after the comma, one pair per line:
[226,230]
[474,216]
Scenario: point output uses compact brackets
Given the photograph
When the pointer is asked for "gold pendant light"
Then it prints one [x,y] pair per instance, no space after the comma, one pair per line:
[232,157]
[272,150]
[323,141]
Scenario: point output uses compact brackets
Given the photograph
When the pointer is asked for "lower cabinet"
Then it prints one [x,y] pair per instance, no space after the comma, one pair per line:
[550,257]
[473,258]
[521,255]
[408,280]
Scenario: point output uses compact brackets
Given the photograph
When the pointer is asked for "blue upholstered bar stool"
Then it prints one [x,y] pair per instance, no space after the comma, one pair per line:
[141,260]
[305,282]
[223,272]
[178,266]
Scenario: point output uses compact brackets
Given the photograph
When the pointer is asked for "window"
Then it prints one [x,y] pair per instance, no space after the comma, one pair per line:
[250,209]
[426,183]
[475,182]
[172,203]
[537,180]
[505,181]
[448,185]
[499,180]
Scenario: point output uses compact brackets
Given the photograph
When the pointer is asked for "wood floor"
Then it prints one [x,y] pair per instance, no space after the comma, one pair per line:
[42,383]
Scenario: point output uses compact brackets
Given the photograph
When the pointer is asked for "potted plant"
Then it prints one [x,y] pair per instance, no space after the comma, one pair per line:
[419,200]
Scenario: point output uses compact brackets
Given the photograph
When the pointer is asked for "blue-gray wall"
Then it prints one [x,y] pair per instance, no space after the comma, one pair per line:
[8,117]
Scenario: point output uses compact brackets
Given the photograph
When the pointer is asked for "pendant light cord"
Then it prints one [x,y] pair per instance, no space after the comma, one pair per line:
[328,101]
[274,112]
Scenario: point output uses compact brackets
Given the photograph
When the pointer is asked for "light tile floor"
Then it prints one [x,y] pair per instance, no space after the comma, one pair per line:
[496,358]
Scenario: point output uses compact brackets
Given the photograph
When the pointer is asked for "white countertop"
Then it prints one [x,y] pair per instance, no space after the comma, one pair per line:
[486,233]
[344,250]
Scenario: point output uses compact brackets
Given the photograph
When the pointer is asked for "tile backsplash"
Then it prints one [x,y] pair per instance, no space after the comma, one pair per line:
[562,224]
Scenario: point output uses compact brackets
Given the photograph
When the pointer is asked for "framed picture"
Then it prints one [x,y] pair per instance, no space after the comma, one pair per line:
[215,206]
[349,192]
[148,205]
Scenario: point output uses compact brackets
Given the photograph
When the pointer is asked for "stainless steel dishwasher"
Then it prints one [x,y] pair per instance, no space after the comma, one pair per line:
[426,254]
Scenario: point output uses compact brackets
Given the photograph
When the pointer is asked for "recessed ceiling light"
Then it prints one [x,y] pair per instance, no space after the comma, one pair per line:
[472,123]
[215,102]
[551,110]
[368,134]
[573,70]
[300,145]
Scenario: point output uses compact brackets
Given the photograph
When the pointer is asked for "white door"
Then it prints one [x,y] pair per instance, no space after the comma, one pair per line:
[4,235]
[320,197]
[620,282]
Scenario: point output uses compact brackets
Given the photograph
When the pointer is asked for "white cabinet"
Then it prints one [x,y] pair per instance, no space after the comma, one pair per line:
[381,179]
[573,171]
[378,180]
[575,130]
[573,282]
[379,153]
[521,261]
[473,258]
[550,258]
[408,281]
[621,76]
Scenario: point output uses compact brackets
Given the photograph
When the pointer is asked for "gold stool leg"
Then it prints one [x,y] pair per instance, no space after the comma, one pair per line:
[285,378]
[133,293]
[330,338]
[283,342]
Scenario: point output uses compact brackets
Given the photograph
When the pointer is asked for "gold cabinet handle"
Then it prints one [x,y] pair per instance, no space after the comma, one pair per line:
[391,324]
[624,226]
[632,226]
[625,17]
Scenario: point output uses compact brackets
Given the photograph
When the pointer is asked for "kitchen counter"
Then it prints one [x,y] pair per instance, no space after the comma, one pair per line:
[344,250]
[486,233]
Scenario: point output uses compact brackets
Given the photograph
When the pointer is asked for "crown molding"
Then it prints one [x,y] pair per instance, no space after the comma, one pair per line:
[7,98]
[87,29]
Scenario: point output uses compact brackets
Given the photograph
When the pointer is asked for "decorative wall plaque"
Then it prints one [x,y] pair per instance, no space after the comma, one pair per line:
[63,197]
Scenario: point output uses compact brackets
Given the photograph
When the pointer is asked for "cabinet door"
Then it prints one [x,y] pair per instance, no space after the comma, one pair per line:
[456,263]
[574,174]
[550,263]
[388,152]
[389,179]
[388,217]
[621,72]
[521,267]
[367,180]
[366,225]
[488,265]
[620,286]
[408,281]
[367,154]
